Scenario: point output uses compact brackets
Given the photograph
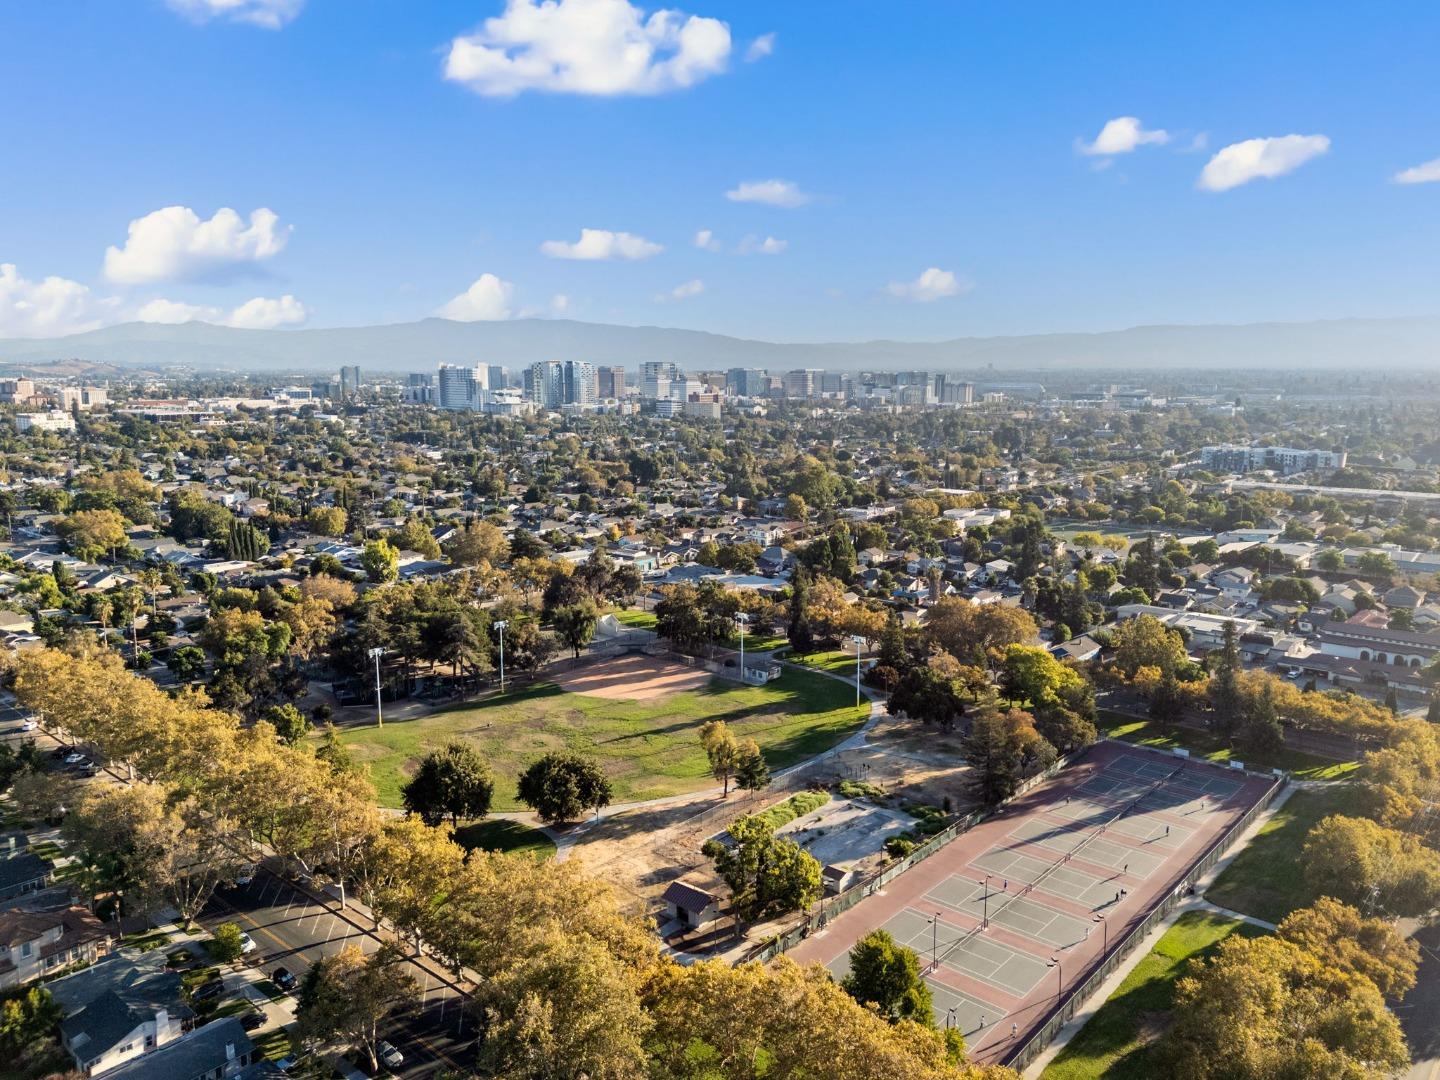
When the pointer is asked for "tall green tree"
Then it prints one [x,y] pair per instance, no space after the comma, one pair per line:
[767,875]
[885,976]
[1227,703]
[453,782]
[563,787]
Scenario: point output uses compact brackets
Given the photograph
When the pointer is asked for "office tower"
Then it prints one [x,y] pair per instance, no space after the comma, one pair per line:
[462,388]
[656,377]
[746,382]
[349,380]
[802,382]
[499,377]
[580,383]
[611,382]
[420,389]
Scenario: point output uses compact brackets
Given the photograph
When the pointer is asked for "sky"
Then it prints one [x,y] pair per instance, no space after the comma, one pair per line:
[797,171]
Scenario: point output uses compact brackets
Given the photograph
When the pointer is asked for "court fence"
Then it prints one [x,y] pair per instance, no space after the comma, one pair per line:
[1064,1011]
[829,907]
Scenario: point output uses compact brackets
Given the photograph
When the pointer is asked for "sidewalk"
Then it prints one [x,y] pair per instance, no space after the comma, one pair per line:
[1122,971]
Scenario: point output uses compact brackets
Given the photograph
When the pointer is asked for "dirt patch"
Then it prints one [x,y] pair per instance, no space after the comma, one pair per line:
[633,678]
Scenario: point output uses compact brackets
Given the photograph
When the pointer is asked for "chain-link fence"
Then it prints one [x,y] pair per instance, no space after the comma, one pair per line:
[1067,1007]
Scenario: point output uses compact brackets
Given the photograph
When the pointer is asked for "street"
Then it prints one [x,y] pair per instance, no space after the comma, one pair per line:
[293,930]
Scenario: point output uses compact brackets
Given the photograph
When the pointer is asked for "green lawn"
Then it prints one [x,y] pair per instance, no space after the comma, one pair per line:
[636,620]
[1265,881]
[1115,1044]
[836,661]
[502,834]
[1144,733]
[649,749]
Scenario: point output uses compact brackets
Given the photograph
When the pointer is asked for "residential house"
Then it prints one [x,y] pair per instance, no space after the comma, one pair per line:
[1404,596]
[1399,648]
[23,873]
[219,1050]
[35,943]
[119,1009]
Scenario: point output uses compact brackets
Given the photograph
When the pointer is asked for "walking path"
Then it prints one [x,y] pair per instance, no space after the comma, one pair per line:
[1122,971]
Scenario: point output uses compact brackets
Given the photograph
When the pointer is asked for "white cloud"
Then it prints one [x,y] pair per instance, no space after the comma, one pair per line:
[598,47]
[933,284]
[173,244]
[261,313]
[599,244]
[487,300]
[684,291]
[271,14]
[753,245]
[1426,173]
[1257,159]
[760,48]
[48,308]
[784,193]
[705,240]
[265,313]
[1122,135]
[559,304]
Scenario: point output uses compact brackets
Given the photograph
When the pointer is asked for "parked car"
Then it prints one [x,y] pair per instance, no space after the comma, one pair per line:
[208,990]
[252,1020]
[29,724]
[60,752]
[288,1062]
[245,877]
[284,978]
[391,1057]
[247,944]
[74,757]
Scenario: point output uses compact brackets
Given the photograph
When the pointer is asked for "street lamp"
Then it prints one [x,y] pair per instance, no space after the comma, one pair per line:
[500,626]
[935,942]
[985,902]
[375,654]
[742,620]
[859,641]
[1059,974]
[1105,930]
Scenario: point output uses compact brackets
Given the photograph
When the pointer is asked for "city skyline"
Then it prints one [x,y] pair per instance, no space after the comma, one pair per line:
[970,173]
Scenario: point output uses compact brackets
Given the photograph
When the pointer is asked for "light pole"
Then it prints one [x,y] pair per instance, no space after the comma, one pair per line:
[375,654]
[859,641]
[935,942]
[985,902]
[1105,931]
[741,619]
[1059,974]
[500,626]
[950,1017]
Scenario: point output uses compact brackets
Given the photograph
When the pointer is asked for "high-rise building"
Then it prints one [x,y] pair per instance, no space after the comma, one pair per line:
[656,377]
[746,382]
[420,389]
[552,383]
[952,391]
[499,377]
[463,388]
[349,380]
[611,382]
[802,383]
[581,384]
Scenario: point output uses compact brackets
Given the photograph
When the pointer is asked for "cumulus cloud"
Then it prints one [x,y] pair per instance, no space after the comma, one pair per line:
[174,244]
[261,313]
[1259,159]
[597,47]
[684,291]
[487,300]
[760,48]
[1426,173]
[754,245]
[271,14]
[784,193]
[596,245]
[559,304]
[1122,135]
[49,307]
[705,240]
[933,284]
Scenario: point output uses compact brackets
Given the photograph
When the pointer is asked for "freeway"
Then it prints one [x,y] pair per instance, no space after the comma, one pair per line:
[292,929]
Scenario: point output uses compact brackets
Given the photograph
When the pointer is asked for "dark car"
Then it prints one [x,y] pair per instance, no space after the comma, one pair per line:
[251,1021]
[284,979]
[206,991]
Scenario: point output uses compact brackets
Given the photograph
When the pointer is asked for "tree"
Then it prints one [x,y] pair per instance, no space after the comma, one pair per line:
[563,787]
[187,663]
[1166,705]
[452,782]
[767,876]
[1341,937]
[1226,702]
[751,771]
[92,534]
[1372,867]
[227,944]
[290,724]
[929,696]
[722,749]
[352,995]
[799,631]
[886,977]
[575,623]
[1145,641]
[977,633]
[244,541]
[1260,731]
[381,561]
[26,1019]
[479,542]
[326,520]
[414,536]
[1002,747]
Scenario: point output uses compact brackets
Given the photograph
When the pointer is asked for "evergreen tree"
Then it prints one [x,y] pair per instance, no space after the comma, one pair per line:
[1226,702]
[751,772]
[799,631]
[1166,706]
[1262,734]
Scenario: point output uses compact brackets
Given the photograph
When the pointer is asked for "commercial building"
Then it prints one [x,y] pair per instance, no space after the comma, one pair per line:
[54,420]
[81,398]
[553,383]
[747,382]
[17,391]
[610,382]
[803,383]
[656,377]
[463,388]
[420,389]
[1282,459]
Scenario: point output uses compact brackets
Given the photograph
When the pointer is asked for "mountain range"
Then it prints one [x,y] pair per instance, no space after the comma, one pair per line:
[1355,345]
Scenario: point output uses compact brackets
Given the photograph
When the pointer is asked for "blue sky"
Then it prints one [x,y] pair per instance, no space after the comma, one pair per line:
[936,145]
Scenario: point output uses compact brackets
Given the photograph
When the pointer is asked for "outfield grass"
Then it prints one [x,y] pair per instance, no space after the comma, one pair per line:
[636,620]
[1211,747]
[1115,1044]
[502,834]
[649,749]
[836,661]
[1265,881]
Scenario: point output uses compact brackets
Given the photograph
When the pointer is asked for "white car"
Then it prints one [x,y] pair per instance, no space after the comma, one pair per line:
[247,944]
[29,724]
[74,758]
[389,1055]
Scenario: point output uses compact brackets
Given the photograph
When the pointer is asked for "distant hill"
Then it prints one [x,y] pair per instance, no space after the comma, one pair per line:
[1352,344]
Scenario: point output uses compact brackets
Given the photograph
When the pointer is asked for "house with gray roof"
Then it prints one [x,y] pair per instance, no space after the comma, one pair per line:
[218,1050]
[121,1008]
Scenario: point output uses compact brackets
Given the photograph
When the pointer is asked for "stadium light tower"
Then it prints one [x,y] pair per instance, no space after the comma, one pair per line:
[375,654]
[859,642]
[741,620]
[500,626]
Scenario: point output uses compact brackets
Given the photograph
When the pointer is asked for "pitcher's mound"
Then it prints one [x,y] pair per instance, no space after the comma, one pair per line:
[633,678]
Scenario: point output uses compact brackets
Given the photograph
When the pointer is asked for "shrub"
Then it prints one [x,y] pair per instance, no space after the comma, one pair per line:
[898,847]
[226,944]
[858,789]
[795,806]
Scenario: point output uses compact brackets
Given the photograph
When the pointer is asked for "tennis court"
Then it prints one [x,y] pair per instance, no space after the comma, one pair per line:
[1023,905]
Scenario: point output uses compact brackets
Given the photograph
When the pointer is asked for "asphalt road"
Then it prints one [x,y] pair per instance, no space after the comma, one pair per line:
[1420,1011]
[293,930]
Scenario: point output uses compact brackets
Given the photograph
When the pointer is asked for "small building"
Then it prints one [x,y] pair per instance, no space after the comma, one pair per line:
[216,1051]
[690,905]
[35,943]
[125,1007]
[22,874]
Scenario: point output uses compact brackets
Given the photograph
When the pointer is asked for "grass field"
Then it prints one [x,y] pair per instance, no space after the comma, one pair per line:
[636,620]
[1115,1044]
[1265,881]
[649,749]
[835,661]
[502,834]
[1144,733]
